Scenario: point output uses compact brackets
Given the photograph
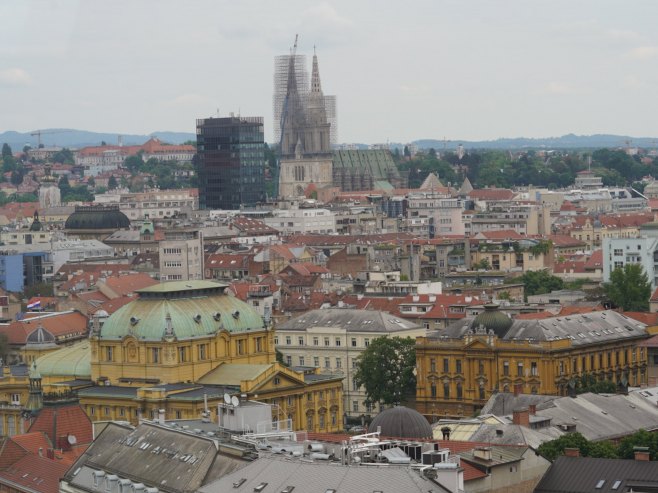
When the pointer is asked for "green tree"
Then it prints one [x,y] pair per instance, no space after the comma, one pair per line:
[538,282]
[91,182]
[641,438]
[551,450]
[64,156]
[629,288]
[112,183]
[134,164]
[6,151]
[63,183]
[386,370]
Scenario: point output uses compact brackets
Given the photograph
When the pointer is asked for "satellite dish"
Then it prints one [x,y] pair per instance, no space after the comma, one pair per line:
[235,401]
[227,399]
[71,439]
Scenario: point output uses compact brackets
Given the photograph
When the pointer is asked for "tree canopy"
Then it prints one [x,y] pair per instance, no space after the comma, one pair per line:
[386,370]
[605,449]
[629,288]
[538,282]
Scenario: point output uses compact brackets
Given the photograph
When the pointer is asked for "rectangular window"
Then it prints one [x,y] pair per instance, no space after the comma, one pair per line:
[316,341]
[301,361]
[337,341]
[355,406]
[446,390]
[289,360]
[433,390]
[366,342]
[202,352]
[155,355]
[339,363]
[276,340]
[242,346]
[432,365]
[353,341]
[300,340]
[327,362]
[288,341]
[109,353]
[533,369]
[506,368]
[458,364]
[326,341]
[316,361]
[519,369]
[446,365]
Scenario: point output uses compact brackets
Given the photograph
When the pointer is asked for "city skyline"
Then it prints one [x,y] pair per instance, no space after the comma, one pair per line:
[438,69]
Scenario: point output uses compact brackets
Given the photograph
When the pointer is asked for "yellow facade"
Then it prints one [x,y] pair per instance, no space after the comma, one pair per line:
[456,377]
[140,365]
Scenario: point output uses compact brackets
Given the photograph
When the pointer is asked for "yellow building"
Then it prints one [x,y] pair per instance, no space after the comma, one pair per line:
[513,256]
[180,347]
[460,367]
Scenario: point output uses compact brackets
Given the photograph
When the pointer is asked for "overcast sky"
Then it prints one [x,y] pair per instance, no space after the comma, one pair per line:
[459,69]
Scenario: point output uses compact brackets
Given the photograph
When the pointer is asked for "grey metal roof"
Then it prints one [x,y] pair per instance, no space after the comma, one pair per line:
[584,474]
[602,416]
[502,403]
[582,329]
[499,455]
[351,320]
[111,390]
[316,477]
[157,456]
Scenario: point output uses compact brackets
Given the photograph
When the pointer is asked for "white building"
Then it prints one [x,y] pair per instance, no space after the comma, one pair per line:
[302,221]
[153,204]
[333,339]
[181,255]
[617,252]
[443,213]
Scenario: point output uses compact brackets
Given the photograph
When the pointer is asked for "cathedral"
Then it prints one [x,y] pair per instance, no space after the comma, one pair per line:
[306,156]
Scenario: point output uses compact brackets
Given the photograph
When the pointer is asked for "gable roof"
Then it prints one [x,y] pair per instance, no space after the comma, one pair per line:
[584,474]
[35,473]
[65,420]
[62,325]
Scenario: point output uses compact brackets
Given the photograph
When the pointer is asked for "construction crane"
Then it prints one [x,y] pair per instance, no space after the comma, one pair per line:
[284,113]
[39,133]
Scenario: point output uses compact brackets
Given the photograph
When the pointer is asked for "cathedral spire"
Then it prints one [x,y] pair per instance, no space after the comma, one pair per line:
[316,87]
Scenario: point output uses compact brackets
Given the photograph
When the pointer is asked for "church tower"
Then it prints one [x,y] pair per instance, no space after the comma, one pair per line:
[306,156]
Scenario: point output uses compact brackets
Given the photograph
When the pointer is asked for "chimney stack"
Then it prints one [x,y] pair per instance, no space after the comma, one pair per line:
[641,453]
[572,452]
[161,416]
[521,417]
[532,409]
[518,389]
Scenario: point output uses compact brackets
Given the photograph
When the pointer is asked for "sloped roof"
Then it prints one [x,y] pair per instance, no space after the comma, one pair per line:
[584,474]
[432,182]
[129,283]
[232,374]
[350,319]
[122,451]
[59,324]
[72,361]
[35,473]
[68,419]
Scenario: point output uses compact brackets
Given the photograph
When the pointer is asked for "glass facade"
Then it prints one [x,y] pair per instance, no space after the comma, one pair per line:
[231,162]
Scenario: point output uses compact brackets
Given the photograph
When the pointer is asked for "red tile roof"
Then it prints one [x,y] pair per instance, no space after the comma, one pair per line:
[32,442]
[595,261]
[491,194]
[36,473]
[69,420]
[565,241]
[129,283]
[646,318]
[62,325]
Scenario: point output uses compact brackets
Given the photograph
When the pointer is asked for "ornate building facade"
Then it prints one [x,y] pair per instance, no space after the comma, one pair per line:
[180,348]
[460,367]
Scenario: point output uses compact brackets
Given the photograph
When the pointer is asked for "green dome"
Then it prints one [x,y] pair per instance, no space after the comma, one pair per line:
[97,217]
[493,319]
[70,361]
[181,309]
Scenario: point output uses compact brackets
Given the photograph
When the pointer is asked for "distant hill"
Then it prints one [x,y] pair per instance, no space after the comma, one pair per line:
[66,137]
[569,141]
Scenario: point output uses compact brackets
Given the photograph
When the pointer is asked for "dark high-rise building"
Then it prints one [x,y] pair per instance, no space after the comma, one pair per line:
[231,162]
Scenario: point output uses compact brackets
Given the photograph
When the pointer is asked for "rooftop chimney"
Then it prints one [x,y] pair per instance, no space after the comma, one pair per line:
[572,452]
[532,409]
[641,453]
[521,417]
[518,389]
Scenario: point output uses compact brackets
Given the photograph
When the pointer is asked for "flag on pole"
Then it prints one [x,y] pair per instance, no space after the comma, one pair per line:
[35,304]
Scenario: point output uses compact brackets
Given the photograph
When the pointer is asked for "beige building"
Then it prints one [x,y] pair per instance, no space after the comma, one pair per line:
[181,255]
[155,204]
[332,340]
